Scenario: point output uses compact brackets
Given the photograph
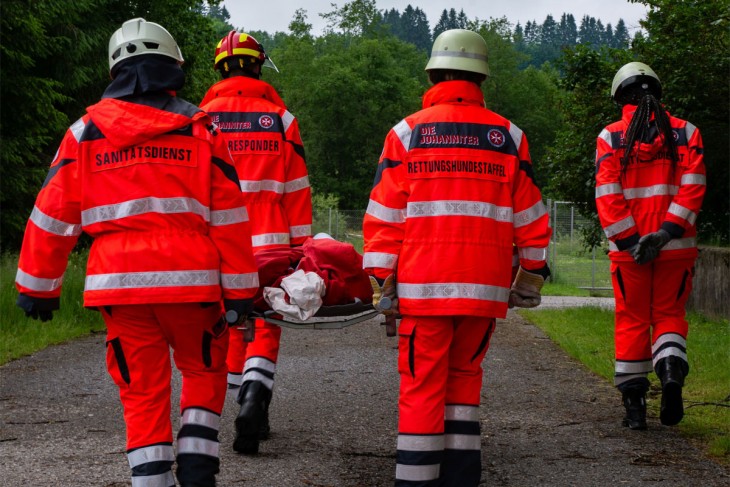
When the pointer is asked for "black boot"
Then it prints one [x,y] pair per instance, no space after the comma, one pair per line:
[253,417]
[671,371]
[635,404]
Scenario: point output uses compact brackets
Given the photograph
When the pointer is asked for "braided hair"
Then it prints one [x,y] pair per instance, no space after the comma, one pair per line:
[640,128]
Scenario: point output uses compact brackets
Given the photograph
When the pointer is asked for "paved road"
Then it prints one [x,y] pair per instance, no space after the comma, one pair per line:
[546,421]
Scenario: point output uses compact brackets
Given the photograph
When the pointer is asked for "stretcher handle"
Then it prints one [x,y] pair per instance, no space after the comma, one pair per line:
[391,327]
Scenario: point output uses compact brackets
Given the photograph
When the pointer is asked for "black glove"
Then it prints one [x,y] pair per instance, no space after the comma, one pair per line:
[237,310]
[649,246]
[38,308]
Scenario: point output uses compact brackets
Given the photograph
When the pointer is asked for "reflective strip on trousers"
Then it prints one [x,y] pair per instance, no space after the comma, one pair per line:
[201,417]
[161,480]
[260,363]
[197,446]
[147,454]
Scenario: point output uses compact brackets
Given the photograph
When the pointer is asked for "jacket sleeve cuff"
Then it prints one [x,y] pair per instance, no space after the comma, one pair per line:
[674,230]
[628,242]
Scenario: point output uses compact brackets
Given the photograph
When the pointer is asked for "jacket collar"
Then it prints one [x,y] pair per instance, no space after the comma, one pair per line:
[453,92]
[243,86]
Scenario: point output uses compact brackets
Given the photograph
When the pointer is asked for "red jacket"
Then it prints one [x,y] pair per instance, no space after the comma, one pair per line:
[265,142]
[156,189]
[453,192]
[651,194]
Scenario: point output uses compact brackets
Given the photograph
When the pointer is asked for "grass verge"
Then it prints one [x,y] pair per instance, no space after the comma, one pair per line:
[586,334]
[21,336]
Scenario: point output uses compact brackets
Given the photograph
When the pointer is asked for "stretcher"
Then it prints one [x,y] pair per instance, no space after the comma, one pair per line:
[326,318]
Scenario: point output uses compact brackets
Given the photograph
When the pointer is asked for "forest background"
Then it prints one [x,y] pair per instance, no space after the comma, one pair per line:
[351,84]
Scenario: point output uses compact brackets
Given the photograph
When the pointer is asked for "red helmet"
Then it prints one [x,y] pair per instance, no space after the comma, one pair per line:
[240,44]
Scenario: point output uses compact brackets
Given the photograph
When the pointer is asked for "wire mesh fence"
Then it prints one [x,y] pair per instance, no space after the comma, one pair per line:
[569,260]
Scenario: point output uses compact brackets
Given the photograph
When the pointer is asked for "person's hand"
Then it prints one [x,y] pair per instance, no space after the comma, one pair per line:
[385,298]
[38,308]
[525,292]
[649,246]
[237,310]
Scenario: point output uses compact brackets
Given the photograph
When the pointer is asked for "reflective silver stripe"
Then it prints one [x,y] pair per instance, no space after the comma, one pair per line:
[142,206]
[516,134]
[693,179]
[682,212]
[235,379]
[689,129]
[619,226]
[459,208]
[160,480]
[51,225]
[263,185]
[199,446]
[240,281]
[650,191]
[296,184]
[287,119]
[533,253]
[525,217]
[671,352]
[77,129]
[622,367]
[417,473]
[154,453]
[403,131]
[606,189]
[300,230]
[669,338]
[674,244]
[201,417]
[379,259]
[620,379]
[381,212]
[260,363]
[37,283]
[461,413]
[420,442]
[605,135]
[463,442]
[256,376]
[455,290]
[269,239]
[129,280]
[219,218]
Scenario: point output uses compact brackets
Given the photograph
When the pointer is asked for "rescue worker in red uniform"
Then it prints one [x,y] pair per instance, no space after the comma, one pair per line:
[454,192]
[263,137]
[650,183]
[148,177]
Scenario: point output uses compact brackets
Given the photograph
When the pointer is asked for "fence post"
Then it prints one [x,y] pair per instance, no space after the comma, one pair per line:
[329,222]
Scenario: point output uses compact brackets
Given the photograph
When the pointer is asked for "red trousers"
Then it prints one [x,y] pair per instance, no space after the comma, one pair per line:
[650,314]
[439,362]
[139,338]
[262,354]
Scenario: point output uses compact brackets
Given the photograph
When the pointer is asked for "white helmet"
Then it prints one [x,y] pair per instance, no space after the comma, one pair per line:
[137,37]
[639,76]
[461,50]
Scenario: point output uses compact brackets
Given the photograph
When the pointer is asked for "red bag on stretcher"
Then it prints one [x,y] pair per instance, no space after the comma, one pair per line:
[337,263]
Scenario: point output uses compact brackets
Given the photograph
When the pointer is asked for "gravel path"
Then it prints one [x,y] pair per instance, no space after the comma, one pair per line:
[546,420]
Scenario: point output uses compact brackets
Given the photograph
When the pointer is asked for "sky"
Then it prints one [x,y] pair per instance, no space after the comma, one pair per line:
[275,15]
